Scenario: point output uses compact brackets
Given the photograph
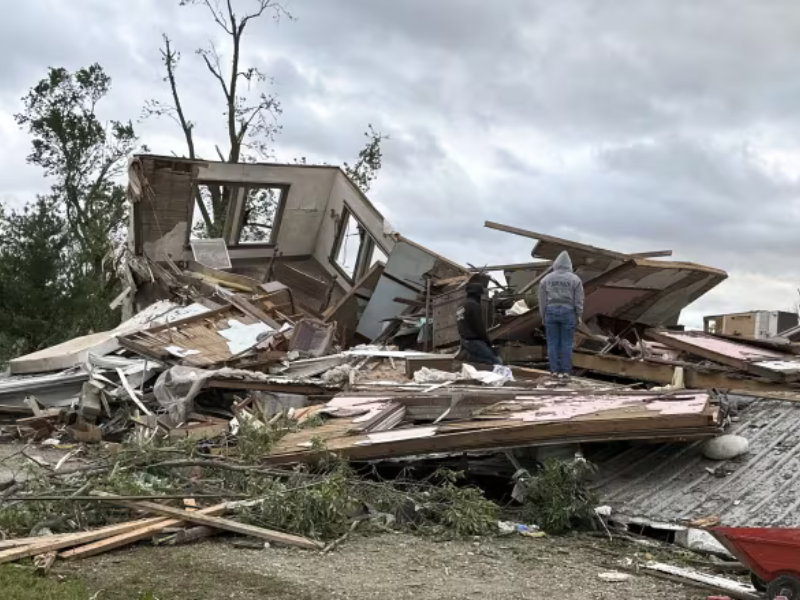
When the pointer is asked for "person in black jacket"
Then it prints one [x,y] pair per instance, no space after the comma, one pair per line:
[474,339]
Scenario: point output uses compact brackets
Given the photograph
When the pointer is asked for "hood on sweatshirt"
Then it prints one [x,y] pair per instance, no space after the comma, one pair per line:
[475,290]
[563,263]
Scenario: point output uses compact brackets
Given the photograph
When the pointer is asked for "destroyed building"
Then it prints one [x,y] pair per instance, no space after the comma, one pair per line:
[303,305]
[323,238]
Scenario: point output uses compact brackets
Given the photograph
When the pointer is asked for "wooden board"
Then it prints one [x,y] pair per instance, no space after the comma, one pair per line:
[495,431]
[73,540]
[226,524]
[131,537]
[199,332]
[662,374]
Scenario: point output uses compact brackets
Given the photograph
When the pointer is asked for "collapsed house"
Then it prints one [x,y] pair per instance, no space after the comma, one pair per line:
[258,290]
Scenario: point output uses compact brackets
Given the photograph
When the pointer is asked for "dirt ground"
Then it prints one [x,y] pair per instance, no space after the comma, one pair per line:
[386,566]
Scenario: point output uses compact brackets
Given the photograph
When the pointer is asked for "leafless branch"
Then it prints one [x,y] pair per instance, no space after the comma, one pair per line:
[170,61]
[216,13]
[215,68]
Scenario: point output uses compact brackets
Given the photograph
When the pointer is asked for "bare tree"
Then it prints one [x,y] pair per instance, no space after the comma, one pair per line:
[251,116]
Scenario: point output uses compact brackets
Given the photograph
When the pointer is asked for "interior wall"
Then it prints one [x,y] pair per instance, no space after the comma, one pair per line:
[303,213]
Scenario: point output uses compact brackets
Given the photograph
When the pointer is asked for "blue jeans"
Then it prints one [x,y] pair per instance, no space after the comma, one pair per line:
[480,352]
[559,326]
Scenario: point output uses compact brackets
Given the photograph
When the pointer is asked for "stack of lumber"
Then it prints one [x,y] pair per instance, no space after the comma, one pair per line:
[83,544]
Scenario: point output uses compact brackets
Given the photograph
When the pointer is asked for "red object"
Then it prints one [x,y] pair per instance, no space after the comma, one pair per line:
[718,598]
[768,552]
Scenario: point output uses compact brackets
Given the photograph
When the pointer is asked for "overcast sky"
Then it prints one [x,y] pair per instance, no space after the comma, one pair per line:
[630,124]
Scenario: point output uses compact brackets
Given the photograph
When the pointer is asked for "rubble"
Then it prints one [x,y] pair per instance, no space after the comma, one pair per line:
[334,340]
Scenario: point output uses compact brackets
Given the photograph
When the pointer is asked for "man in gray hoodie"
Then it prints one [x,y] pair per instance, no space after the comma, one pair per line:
[561,307]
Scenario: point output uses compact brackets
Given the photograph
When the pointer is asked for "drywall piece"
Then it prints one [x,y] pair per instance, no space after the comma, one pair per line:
[242,337]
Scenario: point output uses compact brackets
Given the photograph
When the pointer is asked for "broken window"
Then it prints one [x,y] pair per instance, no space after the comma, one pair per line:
[254,212]
[354,250]
[349,243]
[261,213]
[210,209]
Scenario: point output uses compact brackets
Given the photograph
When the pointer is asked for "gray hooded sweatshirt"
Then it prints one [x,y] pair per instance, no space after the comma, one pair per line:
[561,287]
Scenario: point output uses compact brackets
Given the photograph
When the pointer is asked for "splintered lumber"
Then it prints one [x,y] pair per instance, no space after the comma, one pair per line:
[76,539]
[226,524]
[655,372]
[137,535]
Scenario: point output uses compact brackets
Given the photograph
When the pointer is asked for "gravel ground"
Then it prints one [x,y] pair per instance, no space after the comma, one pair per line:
[386,566]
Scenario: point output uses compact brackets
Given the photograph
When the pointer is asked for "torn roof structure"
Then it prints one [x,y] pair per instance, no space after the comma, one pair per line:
[628,287]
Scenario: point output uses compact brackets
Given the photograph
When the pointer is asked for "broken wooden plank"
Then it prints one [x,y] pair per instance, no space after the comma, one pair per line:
[132,393]
[714,583]
[556,240]
[76,539]
[662,374]
[254,311]
[652,254]
[226,524]
[131,537]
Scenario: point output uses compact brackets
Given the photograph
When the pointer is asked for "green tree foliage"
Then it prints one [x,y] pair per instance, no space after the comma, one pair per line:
[57,267]
[83,156]
[33,281]
[365,170]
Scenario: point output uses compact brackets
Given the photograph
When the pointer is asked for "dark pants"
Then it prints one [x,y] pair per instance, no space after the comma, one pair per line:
[478,351]
[559,326]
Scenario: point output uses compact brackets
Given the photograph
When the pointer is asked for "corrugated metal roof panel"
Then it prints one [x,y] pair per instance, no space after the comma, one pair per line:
[672,482]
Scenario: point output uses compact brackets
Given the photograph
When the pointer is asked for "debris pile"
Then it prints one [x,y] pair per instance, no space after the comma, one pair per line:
[264,385]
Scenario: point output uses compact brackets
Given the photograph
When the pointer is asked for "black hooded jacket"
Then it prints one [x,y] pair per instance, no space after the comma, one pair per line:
[470,316]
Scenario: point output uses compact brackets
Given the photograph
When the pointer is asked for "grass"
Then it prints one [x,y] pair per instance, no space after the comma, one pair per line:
[22,583]
[19,582]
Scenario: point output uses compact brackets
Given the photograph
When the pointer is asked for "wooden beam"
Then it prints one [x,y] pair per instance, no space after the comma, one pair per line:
[556,240]
[513,267]
[131,537]
[377,268]
[653,254]
[234,280]
[226,524]
[542,237]
[76,539]
[244,305]
[662,374]
[407,302]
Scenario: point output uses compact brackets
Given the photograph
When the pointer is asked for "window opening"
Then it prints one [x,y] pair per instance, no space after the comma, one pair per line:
[349,247]
[261,211]
[215,199]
